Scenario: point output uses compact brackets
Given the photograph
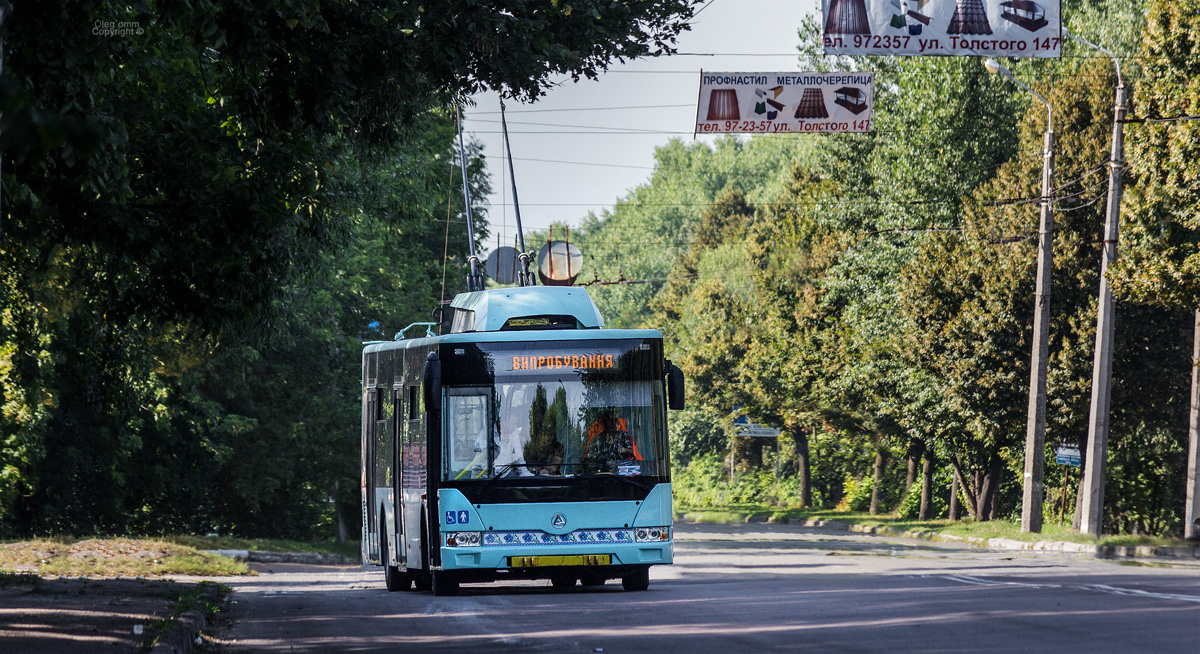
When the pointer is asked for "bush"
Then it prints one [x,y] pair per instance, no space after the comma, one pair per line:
[856,494]
[704,483]
[910,506]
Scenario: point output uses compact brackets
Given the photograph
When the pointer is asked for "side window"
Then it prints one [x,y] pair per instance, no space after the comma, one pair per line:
[414,401]
[467,433]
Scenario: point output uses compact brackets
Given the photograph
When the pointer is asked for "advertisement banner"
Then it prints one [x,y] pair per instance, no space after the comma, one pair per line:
[784,103]
[987,28]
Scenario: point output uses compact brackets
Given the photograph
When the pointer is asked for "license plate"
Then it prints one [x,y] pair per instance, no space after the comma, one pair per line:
[541,561]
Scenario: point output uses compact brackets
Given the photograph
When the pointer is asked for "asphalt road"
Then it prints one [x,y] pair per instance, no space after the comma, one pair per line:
[746,588]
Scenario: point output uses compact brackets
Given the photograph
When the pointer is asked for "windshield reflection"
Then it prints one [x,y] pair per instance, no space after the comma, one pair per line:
[556,428]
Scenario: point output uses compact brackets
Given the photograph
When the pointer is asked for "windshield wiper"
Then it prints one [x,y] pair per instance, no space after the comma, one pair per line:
[499,473]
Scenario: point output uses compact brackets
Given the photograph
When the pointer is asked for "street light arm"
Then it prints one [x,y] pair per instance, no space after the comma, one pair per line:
[1049,114]
[996,68]
[1116,60]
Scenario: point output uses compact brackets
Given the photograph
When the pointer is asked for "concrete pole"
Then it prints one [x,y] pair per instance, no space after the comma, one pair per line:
[1035,429]
[1035,432]
[1096,461]
[1191,513]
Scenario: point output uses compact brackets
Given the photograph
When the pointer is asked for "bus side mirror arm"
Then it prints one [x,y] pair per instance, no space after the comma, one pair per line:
[674,387]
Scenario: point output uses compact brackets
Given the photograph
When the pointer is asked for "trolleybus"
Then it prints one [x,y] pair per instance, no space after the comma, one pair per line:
[527,443]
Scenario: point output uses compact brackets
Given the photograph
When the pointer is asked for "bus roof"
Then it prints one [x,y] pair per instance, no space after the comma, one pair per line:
[495,307]
[514,336]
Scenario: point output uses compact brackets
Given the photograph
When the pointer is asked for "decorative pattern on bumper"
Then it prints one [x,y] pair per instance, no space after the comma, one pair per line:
[579,537]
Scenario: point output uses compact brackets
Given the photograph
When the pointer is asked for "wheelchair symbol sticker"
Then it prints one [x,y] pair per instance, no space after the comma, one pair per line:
[451,517]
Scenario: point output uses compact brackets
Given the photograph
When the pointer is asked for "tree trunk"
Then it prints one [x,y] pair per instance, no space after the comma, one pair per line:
[876,481]
[911,458]
[926,487]
[981,505]
[954,496]
[993,481]
[337,512]
[803,466]
[988,482]
[967,490]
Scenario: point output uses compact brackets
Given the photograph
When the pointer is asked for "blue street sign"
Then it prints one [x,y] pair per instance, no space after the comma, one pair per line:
[1067,456]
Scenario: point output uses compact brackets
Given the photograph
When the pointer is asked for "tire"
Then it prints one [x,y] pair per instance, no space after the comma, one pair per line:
[422,578]
[393,578]
[444,583]
[639,580]
[562,583]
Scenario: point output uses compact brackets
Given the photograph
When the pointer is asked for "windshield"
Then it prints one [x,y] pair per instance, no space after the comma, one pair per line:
[560,415]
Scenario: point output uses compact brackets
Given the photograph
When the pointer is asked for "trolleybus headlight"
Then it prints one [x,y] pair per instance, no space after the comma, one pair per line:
[652,534]
[462,539]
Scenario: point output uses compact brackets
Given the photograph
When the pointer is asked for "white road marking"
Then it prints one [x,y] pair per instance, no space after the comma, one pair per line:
[1098,588]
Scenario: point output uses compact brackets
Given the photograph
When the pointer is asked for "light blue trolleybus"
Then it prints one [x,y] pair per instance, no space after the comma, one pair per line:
[528,443]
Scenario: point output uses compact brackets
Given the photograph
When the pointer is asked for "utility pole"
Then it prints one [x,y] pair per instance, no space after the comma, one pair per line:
[1191,514]
[1096,460]
[1035,430]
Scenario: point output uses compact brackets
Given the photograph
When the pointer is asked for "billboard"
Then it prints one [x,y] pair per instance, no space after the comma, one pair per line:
[991,28]
[784,103]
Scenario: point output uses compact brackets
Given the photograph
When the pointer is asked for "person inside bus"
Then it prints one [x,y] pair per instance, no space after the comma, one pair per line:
[475,447]
[510,448]
[609,444]
[553,465]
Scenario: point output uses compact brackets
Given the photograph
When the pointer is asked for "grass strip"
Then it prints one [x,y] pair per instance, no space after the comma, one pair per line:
[961,528]
[113,557]
[349,549]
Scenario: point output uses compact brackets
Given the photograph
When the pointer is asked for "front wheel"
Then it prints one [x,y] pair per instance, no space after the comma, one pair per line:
[396,579]
[443,583]
[639,580]
[562,583]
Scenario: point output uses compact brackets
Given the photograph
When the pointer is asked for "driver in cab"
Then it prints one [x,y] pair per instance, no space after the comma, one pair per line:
[609,446]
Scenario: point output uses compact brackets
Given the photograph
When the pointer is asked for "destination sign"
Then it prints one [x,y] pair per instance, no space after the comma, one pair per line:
[563,362]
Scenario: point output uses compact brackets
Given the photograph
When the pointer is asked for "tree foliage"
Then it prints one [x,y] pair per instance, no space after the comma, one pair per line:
[891,304]
[207,207]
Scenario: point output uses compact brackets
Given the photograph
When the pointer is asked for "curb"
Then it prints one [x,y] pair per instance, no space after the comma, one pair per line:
[184,636]
[1000,544]
[1009,544]
[311,558]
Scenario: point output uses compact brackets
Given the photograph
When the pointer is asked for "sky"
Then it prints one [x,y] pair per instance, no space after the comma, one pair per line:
[584,145]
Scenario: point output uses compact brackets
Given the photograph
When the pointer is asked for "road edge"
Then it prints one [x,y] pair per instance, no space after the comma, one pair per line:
[1185,553]
[184,636]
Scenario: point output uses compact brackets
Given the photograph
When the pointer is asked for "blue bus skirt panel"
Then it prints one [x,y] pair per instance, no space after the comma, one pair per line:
[523,530]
